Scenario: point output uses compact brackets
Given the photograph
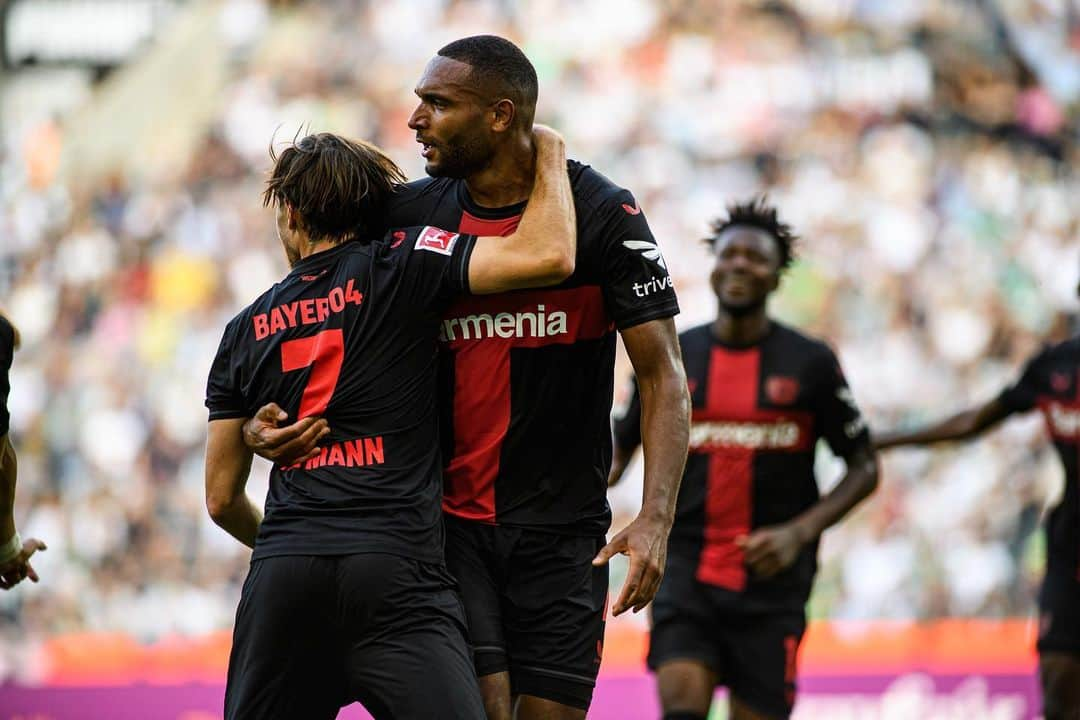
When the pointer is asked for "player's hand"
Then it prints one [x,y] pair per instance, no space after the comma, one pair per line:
[769,550]
[645,541]
[17,569]
[283,446]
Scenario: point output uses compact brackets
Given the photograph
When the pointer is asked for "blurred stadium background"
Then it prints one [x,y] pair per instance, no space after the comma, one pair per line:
[925,150]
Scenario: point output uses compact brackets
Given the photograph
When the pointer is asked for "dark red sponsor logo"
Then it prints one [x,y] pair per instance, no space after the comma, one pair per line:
[781,390]
[632,210]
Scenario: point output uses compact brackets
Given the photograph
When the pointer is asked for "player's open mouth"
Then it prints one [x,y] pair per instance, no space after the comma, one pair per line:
[426,150]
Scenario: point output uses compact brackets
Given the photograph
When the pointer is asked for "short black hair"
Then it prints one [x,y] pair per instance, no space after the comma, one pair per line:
[337,185]
[501,64]
[758,213]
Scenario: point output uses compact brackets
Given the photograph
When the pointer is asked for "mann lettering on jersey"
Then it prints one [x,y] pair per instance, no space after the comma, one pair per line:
[758,414]
[341,333]
[539,363]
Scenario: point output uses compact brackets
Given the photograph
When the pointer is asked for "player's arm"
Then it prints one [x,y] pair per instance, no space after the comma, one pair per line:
[626,436]
[961,426]
[654,351]
[15,553]
[1019,397]
[542,249]
[770,549]
[228,463]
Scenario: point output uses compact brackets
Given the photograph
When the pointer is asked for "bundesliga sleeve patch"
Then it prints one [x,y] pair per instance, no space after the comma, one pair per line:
[436,240]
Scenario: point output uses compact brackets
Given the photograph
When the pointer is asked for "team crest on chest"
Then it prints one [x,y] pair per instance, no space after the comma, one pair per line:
[781,389]
[1060,382]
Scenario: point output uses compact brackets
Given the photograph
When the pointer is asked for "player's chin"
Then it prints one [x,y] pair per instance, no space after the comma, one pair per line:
[740,305]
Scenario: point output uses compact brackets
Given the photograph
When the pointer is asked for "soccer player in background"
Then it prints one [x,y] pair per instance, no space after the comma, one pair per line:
[348,597]
[743,549]
[1050,382]
[15,553]
[526,394]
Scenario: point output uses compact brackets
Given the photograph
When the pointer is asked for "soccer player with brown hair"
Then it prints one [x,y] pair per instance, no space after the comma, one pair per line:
[526,390]
[348,597]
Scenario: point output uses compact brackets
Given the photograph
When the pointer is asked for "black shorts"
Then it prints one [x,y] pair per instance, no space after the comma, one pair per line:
[315,633]
[754,653]
[1059,609]
[535,606]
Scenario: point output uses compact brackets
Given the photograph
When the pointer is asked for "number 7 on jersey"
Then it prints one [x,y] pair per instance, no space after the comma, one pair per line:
[324,352]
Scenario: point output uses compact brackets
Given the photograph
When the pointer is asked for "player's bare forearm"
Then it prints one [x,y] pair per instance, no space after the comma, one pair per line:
[961,426]
[653,348]
[228,463]
[240,518]
[549,222]
[665,413]
[8,473]
[543,248]
[858,483]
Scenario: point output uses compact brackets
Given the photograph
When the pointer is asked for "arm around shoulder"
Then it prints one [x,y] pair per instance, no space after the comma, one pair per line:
[543,249]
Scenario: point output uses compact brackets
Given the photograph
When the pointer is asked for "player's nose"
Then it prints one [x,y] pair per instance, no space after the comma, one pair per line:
[417,120]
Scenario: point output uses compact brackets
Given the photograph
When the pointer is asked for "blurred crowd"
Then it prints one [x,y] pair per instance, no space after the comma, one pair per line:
[922,150]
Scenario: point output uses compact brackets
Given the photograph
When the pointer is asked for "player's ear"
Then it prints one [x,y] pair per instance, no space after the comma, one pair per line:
[294,217]
[503,114]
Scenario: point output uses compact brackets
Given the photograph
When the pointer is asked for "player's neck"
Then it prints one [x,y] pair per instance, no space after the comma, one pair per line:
[741,330]
[308,248]
[508,178]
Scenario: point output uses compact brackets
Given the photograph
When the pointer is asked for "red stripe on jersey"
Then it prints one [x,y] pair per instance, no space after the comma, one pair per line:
[481,331]
[732,392]
[472,225]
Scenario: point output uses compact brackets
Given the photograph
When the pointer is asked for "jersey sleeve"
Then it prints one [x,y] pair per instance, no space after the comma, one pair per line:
[842,424]
[438,262]
[7,353]
[224,397]
[637,286]
[1023,395]
[627,425]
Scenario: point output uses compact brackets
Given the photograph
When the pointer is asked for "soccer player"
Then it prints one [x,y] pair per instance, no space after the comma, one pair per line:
[15,553]
[1051,382]
[526,394]
[744,544]
[348,597]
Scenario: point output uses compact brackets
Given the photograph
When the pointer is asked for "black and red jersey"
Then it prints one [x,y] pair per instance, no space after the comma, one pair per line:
[1051,382]
[350,334]
[7,352]
[526,376]
[758,413]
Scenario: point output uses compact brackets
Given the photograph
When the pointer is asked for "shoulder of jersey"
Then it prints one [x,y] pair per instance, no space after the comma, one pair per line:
[417,191]
[696,334]
[1067,350]
[592,188]
[7,330]
[801,342]
[421,237]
